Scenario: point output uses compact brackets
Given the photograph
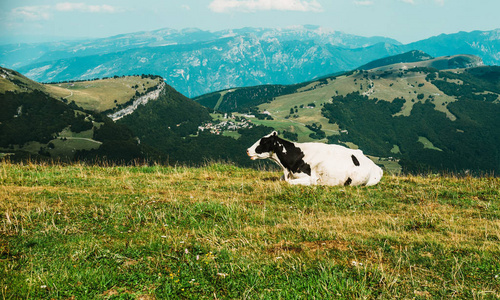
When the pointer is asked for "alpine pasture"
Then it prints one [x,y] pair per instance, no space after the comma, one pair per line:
[224,232]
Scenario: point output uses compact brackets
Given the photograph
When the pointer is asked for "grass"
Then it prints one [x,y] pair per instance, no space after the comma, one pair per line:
[428,144]
[66,144]
[100,95]
[219,231]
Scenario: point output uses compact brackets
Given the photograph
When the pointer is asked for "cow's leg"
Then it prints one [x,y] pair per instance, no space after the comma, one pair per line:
[302,179]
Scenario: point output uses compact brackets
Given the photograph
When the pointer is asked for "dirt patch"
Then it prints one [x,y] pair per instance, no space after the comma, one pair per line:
[256,202]
[327,245]
[110,293]
[285,247]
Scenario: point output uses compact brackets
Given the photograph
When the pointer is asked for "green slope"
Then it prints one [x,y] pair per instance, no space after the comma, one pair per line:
[34,124]
[104,94]
[405,112]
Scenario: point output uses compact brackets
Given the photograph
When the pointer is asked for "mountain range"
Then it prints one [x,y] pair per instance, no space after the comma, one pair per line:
[416,115]
[197,62]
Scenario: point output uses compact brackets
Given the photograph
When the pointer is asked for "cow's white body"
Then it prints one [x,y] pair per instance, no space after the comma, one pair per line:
[333,165]
[322,164]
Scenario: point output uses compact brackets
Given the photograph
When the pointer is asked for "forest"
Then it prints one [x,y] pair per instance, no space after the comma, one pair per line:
[36,117]
[472,142]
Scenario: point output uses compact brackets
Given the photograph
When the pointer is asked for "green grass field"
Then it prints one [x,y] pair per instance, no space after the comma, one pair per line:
[222,232]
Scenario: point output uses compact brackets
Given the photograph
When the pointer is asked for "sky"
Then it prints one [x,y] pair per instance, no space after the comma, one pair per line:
[404,20]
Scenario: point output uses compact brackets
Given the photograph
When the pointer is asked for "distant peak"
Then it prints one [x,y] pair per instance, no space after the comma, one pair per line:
[311,27]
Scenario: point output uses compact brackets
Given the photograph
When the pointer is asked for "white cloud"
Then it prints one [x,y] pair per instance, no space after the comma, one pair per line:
[440,2]
[31,13]
[186,7]
[38,13]
[409,1]
[221,6]
[82,7]
[363,3]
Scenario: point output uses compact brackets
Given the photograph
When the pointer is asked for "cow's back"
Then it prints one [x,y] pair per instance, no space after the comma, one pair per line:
[338,165]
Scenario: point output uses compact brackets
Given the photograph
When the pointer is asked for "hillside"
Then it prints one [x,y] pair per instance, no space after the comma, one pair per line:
[197,62]
[103,95]
[423,118]
[406,116]
[408,57]
[69,121]
[37,123]
[224,232]
[97,95]
[239,99]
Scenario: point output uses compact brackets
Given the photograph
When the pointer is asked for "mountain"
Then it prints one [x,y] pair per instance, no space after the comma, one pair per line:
[69,121]
[197,62]
[484,44]
[18,55]
[36,124]
[212,61]
[407,114]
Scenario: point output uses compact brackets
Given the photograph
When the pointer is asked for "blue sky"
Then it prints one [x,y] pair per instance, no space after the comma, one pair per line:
[403,20]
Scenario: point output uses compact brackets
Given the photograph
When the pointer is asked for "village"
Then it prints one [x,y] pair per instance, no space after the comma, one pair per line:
[230,122]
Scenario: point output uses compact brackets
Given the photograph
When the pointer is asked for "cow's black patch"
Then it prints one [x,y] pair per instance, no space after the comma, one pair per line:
[290,156]
[267,144]
[348,181]
[355,160]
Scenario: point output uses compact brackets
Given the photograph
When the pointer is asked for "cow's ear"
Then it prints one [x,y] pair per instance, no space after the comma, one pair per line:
[274,133]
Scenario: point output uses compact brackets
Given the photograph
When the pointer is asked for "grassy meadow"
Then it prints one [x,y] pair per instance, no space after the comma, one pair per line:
[223,232]
[104,94]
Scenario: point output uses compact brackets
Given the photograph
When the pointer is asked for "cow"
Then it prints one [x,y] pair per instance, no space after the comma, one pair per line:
[316,163]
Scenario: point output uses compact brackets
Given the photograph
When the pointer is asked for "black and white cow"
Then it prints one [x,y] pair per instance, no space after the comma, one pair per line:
[316,163]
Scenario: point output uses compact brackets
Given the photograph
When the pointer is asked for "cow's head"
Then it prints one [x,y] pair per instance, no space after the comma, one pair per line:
[264,147]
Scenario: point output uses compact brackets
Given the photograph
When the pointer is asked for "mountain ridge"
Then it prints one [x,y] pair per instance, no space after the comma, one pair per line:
[169,36]
[197,62]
